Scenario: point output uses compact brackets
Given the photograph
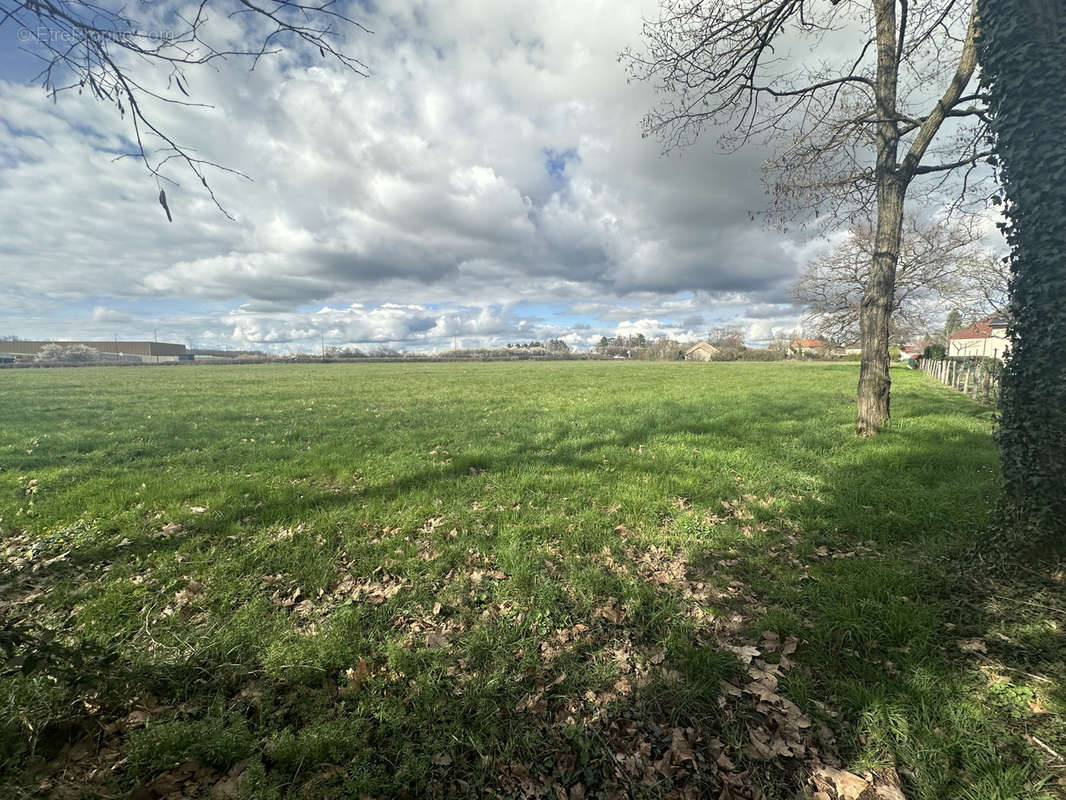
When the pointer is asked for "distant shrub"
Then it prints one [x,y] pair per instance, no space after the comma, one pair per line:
[760,355]
[729,353]
[661,349]
[385,352]
[348,351]
[517,352]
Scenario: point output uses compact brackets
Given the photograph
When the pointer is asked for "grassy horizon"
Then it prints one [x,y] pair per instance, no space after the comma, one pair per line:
[457,579]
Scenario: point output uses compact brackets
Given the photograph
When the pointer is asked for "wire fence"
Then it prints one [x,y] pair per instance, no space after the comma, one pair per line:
[974,376]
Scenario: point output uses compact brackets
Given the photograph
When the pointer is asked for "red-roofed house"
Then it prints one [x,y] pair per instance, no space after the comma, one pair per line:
[987,338]
[909,351]
[915,349]
[809,347]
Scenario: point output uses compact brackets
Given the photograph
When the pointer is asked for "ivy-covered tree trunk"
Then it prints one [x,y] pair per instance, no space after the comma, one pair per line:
[1023,57]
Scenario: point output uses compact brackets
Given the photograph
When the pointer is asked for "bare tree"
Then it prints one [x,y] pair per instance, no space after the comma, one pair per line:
[779,345]
[986,277]
[663,349]
[728,341]
[941,265]
[109,52]
[854,124]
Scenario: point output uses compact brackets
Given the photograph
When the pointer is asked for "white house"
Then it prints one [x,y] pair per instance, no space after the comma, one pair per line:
[986,338]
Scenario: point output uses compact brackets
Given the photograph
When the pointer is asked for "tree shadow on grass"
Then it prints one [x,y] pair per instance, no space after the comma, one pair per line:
[937,663]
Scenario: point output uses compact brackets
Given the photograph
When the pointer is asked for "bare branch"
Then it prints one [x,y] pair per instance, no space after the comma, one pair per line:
[962,162]
[714,63]
[87,47]
[963,74]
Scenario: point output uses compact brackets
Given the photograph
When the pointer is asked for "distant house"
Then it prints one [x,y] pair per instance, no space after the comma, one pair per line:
[915,349]
[911,351]
[801,348]
[701,351]
[853,349]
[986,338]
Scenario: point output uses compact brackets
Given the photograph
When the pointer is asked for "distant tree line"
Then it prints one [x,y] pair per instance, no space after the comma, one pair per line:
[351,351]
[729,342]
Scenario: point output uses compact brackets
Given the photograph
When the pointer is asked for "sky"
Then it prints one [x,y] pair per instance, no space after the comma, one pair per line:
[487,183]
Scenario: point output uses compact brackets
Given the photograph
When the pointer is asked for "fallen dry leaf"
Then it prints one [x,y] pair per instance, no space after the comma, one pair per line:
[975,645]
[437,639]
[848,785]
[744,652]
[356,676]
[680,746]
[136,719]
[612,613]
[185,596]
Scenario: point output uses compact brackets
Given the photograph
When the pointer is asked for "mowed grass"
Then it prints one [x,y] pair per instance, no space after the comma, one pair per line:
[439,579]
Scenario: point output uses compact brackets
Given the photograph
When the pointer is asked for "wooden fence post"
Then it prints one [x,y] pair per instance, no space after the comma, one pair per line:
[978,378]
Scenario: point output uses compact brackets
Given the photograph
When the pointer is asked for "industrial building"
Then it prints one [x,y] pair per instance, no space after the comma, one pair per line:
[152,352]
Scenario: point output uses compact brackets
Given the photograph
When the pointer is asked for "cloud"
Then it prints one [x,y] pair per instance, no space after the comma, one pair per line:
[491,165]
[102,314]
[409,325]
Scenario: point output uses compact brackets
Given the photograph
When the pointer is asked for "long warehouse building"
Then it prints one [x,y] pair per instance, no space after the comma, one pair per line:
[145,351]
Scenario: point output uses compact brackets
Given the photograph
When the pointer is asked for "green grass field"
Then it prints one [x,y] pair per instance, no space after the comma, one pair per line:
[558,579]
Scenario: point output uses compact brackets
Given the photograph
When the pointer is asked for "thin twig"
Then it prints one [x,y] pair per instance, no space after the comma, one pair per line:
[610,754]
[1045,748]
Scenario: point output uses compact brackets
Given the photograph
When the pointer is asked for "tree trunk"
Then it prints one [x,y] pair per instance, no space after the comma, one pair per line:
[877,300]
[876,312]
